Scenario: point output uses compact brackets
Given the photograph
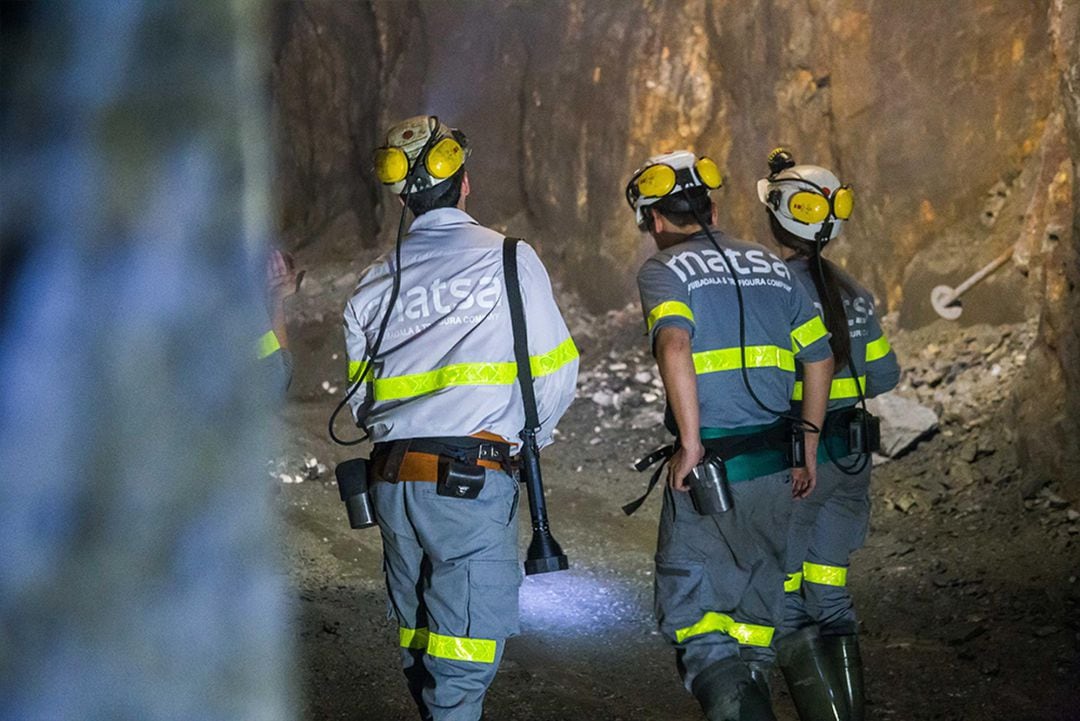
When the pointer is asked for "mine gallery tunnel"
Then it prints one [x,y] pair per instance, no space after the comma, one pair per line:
[243,592]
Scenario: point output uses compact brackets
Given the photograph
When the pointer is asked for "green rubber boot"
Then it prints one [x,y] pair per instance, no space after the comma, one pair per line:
[806,666]
[845,663]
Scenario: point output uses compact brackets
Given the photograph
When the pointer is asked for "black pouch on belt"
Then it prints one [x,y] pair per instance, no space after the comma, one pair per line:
[459,480]
[863,431]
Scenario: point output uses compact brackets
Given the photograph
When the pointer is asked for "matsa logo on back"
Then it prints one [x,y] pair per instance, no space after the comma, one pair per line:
[690,263]
[440,297]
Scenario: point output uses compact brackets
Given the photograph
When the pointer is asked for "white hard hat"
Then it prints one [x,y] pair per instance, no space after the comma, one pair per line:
[444,151]
[803,198]
[667,174]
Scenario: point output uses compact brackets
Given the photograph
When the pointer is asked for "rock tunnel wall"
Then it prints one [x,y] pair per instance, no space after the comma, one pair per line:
[957,124]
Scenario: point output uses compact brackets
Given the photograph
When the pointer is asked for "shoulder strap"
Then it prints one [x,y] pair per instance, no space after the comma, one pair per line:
[521,336]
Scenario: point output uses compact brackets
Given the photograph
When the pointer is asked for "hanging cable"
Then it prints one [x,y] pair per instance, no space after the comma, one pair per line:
[798,424]
[371,354]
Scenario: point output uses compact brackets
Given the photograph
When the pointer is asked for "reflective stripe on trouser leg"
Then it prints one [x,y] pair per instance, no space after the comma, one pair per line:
[824,575]
[720,579]
[839,529]
[793,582]
[471,590]
[747,634]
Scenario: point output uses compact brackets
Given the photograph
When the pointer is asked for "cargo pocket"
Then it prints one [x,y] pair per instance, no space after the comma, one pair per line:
[678,602]
[493,599]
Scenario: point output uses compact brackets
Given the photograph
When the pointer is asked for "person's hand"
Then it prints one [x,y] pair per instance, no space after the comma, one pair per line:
[803,480]
[281,277]
[681,463]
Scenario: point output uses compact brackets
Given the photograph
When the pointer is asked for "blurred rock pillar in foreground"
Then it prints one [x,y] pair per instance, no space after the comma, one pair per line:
[138,574]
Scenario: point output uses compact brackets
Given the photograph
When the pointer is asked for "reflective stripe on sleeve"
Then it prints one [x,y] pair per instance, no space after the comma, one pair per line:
[757,356]
[547,363]
[414,638]
[268,344]
[670,308]
[745,633]
[840,388]
[878,349]
[793,582]
[465,374]
[480,650]
[809,332]
[824,575]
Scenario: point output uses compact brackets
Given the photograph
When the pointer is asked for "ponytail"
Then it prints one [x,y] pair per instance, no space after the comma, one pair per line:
[831,288]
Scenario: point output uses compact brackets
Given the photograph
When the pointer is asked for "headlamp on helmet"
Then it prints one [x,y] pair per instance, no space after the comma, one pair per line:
[667,175]
[423,146]
[803,198]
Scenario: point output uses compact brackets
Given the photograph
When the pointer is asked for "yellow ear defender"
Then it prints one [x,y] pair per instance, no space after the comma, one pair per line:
[443,160]
[813,208]
[656,181]
[391,165]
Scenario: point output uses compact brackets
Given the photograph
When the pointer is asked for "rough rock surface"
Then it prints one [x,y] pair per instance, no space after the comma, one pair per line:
[958,124]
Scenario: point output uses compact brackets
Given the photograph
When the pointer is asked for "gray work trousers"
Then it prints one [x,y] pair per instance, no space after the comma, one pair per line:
[452,579]
[719,579]
[825,529]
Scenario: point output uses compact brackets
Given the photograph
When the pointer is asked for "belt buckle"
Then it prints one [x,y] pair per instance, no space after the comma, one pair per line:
[488,452]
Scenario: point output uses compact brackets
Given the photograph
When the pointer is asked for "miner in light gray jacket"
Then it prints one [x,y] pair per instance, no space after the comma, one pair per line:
[443,389]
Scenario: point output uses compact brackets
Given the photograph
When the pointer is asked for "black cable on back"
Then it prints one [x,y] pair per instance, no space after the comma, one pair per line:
[372,353]
[797,422]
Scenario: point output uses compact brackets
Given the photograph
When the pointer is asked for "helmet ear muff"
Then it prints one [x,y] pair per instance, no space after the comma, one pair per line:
[444,158]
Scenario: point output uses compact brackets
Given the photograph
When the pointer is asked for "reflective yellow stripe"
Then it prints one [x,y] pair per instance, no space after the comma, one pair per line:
[480,650]
[757,356]
[458,374]
[553,360]
[415,638]
[878,349]
[745,633]
[465,374]
[672,307]
[268,344]
[793,582]
[824,575]
[356,368]
[810,331]
[840,388]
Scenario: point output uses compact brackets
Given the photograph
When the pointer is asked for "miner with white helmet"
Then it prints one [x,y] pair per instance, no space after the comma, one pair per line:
[726,322]
[818,649]
[441,400]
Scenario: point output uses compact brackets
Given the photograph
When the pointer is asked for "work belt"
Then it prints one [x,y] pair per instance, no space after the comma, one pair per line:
[774,439]
[417,459]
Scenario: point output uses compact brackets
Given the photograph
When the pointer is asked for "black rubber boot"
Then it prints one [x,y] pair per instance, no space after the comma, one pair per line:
[728,691]
[756,701]
[719,687]
[814,686]
[845,663]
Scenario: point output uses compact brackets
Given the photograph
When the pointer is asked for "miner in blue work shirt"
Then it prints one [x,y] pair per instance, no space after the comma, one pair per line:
[727,322]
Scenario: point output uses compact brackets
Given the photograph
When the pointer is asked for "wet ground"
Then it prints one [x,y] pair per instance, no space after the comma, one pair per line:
[968,593]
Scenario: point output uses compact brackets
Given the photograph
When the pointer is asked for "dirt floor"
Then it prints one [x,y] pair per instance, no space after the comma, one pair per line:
[967,590]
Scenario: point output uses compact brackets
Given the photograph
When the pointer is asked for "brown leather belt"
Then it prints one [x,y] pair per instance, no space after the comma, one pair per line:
[421,466]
